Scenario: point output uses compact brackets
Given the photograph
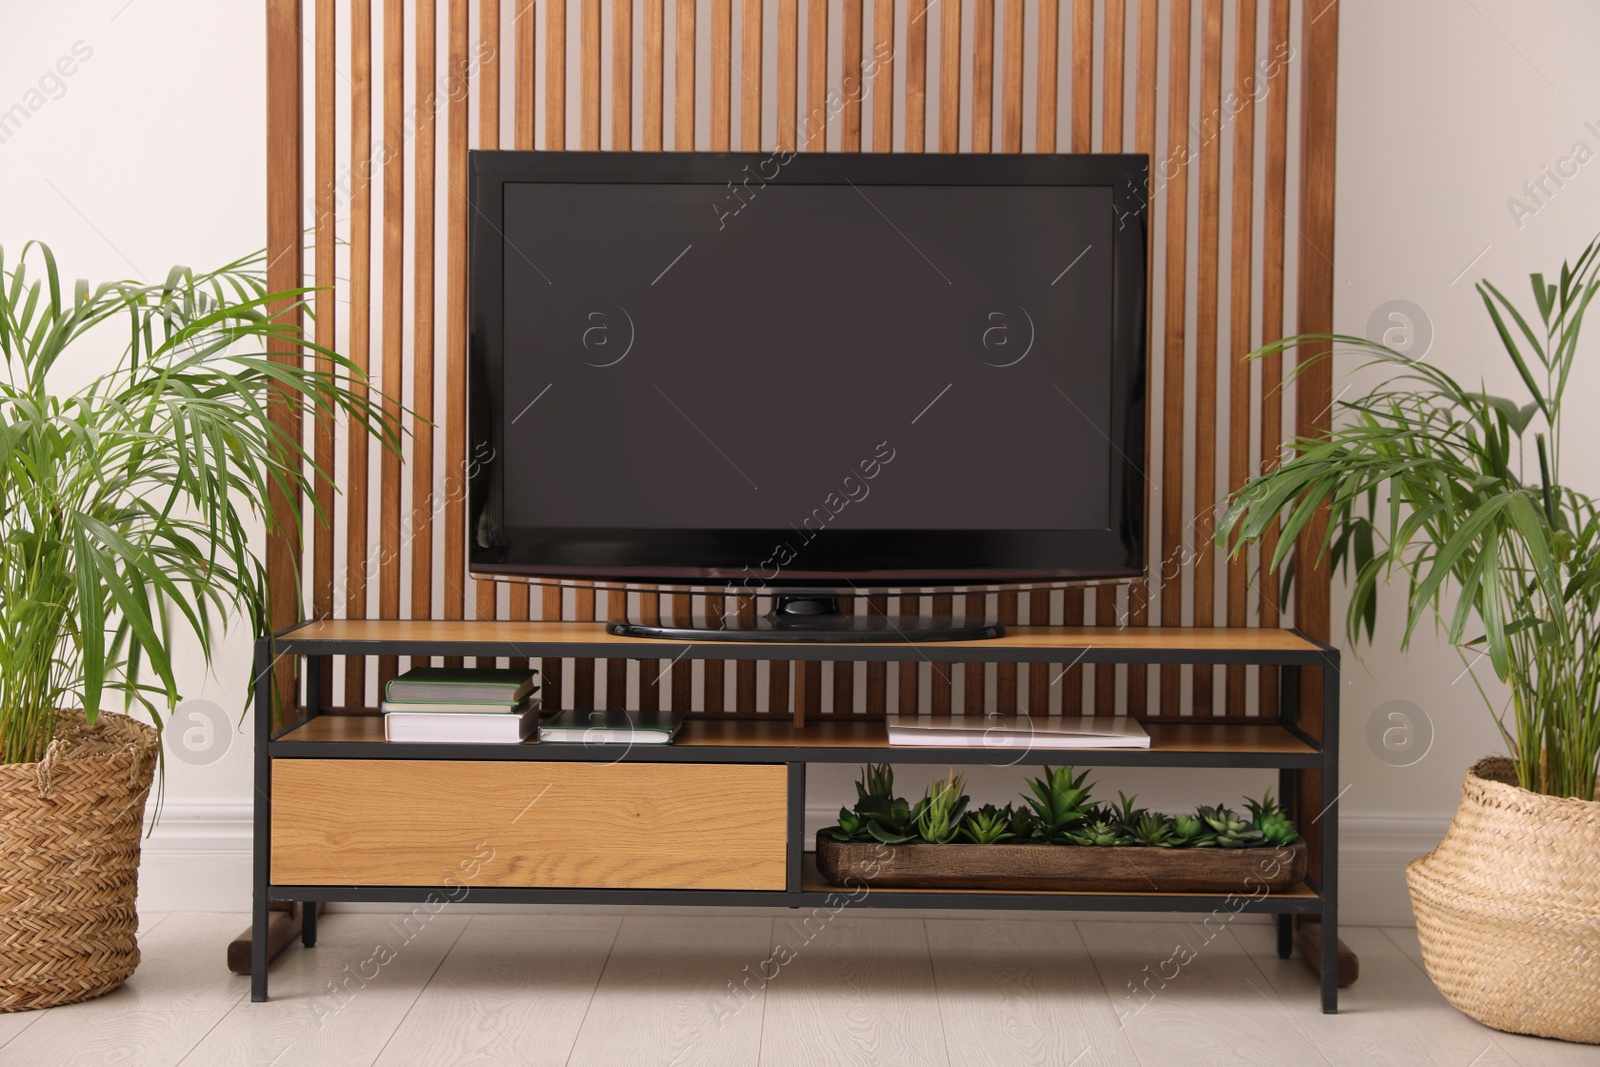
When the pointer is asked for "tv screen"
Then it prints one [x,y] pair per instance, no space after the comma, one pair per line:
[780,371]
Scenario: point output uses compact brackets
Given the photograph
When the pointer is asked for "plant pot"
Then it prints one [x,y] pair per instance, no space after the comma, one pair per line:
[1061,868]
[1508,908]
[69,862]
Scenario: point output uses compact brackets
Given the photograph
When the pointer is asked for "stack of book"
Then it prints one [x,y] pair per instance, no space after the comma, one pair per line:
[461,704]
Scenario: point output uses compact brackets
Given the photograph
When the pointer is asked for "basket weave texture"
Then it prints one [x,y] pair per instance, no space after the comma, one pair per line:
[69,862]
[1508,908]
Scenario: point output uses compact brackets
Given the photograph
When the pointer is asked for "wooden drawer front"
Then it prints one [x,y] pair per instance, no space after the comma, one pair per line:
[558,825]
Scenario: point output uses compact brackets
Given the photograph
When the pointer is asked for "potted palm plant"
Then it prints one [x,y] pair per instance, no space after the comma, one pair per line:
[127,500]
[1459,494]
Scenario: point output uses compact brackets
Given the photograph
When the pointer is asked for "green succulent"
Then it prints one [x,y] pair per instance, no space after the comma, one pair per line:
[892,821]
[1232,831]
[1153,830]
[941,810]
[877,782]
[1191,831]
[1020,821]
[1277,829]
[852,827]
[1058,801]
[988,825]
[1100,832]
[1126,815]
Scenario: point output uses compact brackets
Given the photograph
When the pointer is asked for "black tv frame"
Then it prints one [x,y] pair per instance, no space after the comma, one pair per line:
[836,561]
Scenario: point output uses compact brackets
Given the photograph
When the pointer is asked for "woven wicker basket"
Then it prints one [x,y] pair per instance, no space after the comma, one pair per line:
[1508,908]
[69,862]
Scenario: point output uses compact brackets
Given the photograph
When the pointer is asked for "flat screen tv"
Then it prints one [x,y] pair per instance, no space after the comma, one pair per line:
[806,374]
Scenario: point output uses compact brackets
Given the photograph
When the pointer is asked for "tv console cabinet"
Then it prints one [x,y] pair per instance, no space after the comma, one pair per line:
[343,815]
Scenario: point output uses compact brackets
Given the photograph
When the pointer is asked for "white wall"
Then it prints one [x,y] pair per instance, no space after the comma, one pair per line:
[151,152]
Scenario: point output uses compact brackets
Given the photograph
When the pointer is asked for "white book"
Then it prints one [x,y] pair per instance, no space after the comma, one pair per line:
[454,727]
[1017,733]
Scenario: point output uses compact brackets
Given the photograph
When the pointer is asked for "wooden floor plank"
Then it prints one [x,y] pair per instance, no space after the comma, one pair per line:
[323,1008]
[513,990]
[1392,1014]
[665,996]
[1021,992]
[72,1036]
[854,991]
[1187,993]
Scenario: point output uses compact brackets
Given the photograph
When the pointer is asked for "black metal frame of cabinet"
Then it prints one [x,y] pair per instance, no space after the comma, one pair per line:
[1323,756]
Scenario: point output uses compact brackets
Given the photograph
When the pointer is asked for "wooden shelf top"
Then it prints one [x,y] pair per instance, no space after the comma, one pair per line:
[1086,644]
[1195,743]
[811,881]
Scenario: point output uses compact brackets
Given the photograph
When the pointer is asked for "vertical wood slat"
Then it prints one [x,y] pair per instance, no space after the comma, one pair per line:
[683,102]
[1176,166]
[1011,93]
[906,682]
[1209,150]
[943,673]
[1049,64]
[883,75]
[1240,286]
[355,675]
[816,120]
[916,91]
[850,87]
[950,78]
[1115,33]
[1082,75]
[788,75]
[324,241]
[982,75]
[421,457]
[721,74]
[1139,592]
[750,78]
[621,75]
[394,307]
[285,260]
[654,62]
[524,43]
[1273,223]
[975,675]
[485,594]
[555,75]
[1039,673]
[455,414]
[524,49]
[589,75]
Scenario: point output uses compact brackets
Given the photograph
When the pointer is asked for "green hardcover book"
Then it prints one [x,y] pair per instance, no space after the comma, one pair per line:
[460,685]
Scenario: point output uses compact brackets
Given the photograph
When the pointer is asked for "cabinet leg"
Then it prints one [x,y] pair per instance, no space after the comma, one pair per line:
[308,923]
[1285,935]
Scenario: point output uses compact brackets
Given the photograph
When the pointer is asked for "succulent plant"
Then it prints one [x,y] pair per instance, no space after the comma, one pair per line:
[1126,815]
[1232,831]
[1020,821]
[852,827]
[988,825]
[893,821]
[941,810]
[1272,821]
[877,782]
[1058,802]
[1153,830]
[1191,831]
[1100,832]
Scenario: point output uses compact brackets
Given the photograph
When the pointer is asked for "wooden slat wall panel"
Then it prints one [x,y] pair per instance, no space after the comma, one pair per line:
[421,457]
[1239,319]
[1176,162]
[355,605]
[394,309]
[1208,388]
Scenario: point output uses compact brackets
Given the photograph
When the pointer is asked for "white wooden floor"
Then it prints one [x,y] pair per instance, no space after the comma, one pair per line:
[617,990]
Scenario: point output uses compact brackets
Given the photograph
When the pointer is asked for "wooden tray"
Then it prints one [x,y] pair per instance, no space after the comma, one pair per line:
[1070,868]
